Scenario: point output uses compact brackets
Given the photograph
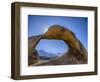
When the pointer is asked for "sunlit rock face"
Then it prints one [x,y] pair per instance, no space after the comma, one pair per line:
[76,54]
[60,32]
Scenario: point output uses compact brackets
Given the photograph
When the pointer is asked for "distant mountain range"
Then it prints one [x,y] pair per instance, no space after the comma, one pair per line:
[45,55]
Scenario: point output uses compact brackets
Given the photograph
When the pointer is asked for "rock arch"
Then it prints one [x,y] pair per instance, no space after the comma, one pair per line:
[76,54]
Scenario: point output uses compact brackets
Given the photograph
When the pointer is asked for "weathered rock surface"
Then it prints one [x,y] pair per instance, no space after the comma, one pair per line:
[33,55]
[76,54]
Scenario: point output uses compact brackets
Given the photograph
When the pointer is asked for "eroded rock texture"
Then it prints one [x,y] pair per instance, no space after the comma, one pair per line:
[76,54]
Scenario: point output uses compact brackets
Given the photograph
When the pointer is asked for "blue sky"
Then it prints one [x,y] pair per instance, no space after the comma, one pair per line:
[38,24]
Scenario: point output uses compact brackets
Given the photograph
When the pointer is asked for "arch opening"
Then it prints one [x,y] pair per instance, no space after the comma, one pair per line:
[49,49]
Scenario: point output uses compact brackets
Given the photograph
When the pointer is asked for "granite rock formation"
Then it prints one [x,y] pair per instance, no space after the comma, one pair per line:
[77,54]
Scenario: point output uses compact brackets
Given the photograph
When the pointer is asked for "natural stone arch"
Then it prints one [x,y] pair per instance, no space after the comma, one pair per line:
[76,54]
